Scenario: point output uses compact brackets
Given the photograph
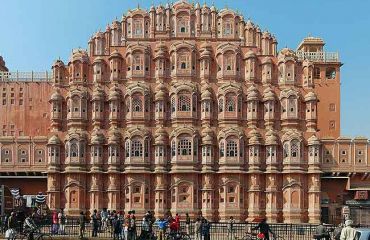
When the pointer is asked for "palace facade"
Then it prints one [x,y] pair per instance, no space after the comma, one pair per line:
[185,108]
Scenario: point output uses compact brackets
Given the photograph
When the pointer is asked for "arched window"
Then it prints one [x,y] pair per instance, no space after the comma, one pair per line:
[206,106]
[183,59]
[229,62]
[138,63]
[184,147]
[231,148]
[286,150]
[230,104]
[292,106]
[183,25]
[221,105]
[74,150]
[137,104]
[173,148]
[138,27]
[222,149]
[294,149]
[184,103]
[136,148]
[228,28]
[127,148]
[173,105]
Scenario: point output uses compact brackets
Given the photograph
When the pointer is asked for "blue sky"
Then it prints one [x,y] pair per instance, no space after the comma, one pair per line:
[35,33]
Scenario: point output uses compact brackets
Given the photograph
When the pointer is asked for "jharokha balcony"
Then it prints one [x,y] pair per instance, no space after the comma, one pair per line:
[318,56]
[25,76]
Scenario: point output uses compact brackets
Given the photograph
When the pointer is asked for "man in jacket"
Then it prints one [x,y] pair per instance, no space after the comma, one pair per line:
[348,233]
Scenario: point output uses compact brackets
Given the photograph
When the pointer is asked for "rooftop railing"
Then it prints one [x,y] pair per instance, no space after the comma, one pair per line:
[25,76]
[318,56]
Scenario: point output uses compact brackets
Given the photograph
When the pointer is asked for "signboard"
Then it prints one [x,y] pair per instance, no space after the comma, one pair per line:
[358,203]
[361,195]
[345,210]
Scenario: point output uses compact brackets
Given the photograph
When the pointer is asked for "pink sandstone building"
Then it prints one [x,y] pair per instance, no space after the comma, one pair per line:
[185,108]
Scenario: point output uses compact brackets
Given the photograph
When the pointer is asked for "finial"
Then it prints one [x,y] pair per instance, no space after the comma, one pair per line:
[138,5]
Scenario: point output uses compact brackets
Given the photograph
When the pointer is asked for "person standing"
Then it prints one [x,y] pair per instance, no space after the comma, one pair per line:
[117,227]
[62,222]
[187,223]
[321,232]
[337,231]
[55,226]
[206,229]
[82,221]
[348,232]
[197,229]
[230,228]
[162,225]
[265,229]
[95,223]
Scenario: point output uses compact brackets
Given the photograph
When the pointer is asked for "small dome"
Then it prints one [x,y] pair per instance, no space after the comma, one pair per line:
[311,96]
[249,24]
[254,137]
[268,95]
[313,140]
[161,136]
[197,5]
[54,140]
[56,96]
[115,24]
[266,60]
[107,28]
[266,34]
[152,8]
[97,138]
[114,136]
[250,54]
[207,140]
[79,55]
[206,94]
[213,8]
[160,92]
[58,63]
[98,94]
[114,93]
[252,93]
[99,35]
[286,53]
[98,60]
[271,138]
[115,54]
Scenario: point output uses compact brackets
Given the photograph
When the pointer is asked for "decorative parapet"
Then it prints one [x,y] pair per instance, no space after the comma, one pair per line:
[318,56]
[25,76]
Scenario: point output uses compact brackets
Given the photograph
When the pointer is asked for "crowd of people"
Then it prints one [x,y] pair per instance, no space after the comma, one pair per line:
[344,231]
[123,226]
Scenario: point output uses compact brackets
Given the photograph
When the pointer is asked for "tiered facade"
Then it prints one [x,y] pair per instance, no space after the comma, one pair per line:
[189,109]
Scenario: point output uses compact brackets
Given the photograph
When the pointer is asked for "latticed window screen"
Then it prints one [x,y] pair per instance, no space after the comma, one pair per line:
[184,147]
[228,28]
[222,149]
[136,148]
[229,62]
[294,148]
[230,104]
[231,148]
[184,103]
[137,104]
[286,149]
[221,105]
[173,105]
[127,148]
[138,63]
[74,150]
[138,28]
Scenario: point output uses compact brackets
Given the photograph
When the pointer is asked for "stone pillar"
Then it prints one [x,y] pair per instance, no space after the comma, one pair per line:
[314,192]
[255,199]
[272,211]
[53,191]
[95,192]
[113,191]
[208,197]
[160,202]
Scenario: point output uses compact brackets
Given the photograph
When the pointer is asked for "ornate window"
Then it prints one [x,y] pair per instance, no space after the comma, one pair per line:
[294,149]
[137,104]
[230,104]
[183,60]
[184,147]
[222,149]
[292,107]
[137,28]
[228,28]
[231,148]
[173,105]
[286,150]
[127,148]
[138,63]
[173,148]
[183,25]
[184,103]
[136,148]
[220,105]
[229,62]
[206,106]
[74,150]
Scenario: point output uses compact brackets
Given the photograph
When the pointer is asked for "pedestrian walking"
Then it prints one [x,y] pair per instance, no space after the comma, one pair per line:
[162,226]
[82,221]
[95,223]
[55,226]
[197,229]
[117,227]
[62,222]
[187,223]
[348,232]
[230,228]
[337,231]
